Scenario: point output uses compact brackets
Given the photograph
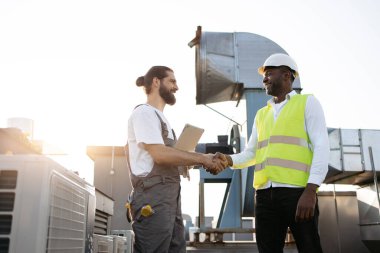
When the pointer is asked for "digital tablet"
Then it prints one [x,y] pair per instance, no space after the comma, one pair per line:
[189,138]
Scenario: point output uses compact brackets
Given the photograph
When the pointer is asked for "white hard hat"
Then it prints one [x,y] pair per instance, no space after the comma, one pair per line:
[277,60]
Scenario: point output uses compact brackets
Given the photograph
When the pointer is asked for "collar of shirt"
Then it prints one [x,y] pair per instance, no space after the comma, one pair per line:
[271,102]
[277,107]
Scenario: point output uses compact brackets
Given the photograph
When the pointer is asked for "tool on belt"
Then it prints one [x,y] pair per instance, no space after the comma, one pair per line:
[145,211]
[128,207]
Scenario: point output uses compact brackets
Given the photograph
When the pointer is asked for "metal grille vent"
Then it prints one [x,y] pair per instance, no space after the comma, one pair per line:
[119,245]
[101,223]
[103,244]
[5,224]
[7,200]
[8,179]
[4,245]
[103,248]
[67,222]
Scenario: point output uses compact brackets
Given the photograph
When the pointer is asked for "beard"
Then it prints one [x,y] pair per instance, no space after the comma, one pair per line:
[167,95]
[273,88]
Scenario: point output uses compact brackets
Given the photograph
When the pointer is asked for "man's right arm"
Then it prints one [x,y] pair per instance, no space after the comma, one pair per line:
[148,135]
[245,158]
[165,155]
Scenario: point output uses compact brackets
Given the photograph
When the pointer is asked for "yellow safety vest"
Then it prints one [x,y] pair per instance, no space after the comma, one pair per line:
[283,151]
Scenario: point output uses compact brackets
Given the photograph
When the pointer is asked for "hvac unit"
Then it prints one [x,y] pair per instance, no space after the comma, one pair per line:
[129,239]
[119,244]
[103,244]
[43,207]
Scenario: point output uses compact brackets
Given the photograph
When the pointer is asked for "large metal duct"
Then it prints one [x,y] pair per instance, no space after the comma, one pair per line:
[350,160]
[227,63]
[354,159]
[226,69]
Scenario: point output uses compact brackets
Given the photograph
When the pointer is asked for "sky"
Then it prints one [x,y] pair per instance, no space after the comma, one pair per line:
[71,66]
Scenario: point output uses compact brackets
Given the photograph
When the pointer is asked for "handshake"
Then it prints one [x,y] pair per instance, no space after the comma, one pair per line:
[216,163]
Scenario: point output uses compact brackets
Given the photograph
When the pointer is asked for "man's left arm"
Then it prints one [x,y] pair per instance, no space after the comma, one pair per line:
[316,128]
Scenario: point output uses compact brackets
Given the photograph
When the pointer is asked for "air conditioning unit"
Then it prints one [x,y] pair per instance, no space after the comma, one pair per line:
[129,239]
[119,244]
[103,244]
[44,207]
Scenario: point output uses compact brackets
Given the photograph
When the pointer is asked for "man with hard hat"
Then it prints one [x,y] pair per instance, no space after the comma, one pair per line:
[290,150]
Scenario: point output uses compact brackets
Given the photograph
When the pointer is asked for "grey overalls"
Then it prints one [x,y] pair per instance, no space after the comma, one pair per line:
[163,231]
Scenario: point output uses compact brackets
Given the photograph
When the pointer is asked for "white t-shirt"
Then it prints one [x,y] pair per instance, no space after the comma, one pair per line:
[144,126]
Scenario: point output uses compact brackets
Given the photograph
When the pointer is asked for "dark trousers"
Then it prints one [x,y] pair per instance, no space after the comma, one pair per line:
[275,213]
[163,231]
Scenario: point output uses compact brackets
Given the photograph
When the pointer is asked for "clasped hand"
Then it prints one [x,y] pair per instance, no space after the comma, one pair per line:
[215,163]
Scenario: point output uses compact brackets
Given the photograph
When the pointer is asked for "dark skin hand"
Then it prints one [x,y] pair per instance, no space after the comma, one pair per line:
[306,203]
[225,160]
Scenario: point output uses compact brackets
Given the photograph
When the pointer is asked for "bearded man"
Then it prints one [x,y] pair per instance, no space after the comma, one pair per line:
[155,201]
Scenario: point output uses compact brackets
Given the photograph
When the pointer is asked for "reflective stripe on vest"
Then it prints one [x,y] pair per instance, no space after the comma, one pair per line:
[283,163]
[283,151]
[283,139]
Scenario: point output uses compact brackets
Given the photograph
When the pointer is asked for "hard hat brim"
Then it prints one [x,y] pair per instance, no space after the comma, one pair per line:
[262,68]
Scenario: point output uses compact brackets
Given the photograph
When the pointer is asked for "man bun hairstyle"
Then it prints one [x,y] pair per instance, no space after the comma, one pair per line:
[140,81]
[155,71]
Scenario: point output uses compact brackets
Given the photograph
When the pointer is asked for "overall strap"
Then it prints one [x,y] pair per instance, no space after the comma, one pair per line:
[164,127]
[153,177]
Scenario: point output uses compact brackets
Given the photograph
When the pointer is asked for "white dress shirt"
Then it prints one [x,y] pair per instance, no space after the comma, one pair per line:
[315,127]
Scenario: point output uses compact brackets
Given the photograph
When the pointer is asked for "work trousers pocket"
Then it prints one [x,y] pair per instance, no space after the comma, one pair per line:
[162,199]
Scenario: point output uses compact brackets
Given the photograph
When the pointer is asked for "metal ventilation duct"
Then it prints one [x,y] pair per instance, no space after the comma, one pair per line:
[226,64]
[350,160]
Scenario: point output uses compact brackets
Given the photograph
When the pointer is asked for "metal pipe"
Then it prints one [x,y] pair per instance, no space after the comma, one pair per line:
[374,175]
[337,218]
[222,115]
[361,149]
[201,217]
[341,149]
